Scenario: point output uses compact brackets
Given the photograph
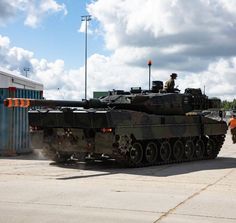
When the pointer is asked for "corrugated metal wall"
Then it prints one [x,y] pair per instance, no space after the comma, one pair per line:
[14,124]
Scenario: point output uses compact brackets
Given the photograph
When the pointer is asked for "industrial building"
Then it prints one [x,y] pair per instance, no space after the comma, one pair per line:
[14,127]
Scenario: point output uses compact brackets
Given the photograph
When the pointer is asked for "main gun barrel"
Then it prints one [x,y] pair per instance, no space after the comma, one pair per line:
[26,103]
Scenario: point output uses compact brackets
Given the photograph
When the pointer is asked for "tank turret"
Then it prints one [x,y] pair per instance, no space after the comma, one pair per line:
[152,102]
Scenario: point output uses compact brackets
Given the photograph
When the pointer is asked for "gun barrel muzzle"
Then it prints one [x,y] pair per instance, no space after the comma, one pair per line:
[17,102]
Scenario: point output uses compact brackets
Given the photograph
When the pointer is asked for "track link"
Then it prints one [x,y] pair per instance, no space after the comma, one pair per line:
[218,143]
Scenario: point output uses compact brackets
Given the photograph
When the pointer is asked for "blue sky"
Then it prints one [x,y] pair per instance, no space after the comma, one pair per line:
[57,37]
[195,39]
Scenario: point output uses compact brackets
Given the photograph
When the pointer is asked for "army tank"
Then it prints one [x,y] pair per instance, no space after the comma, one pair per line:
[136,128]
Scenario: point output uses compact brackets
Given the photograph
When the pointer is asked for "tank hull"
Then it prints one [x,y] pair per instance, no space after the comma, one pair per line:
[130,137]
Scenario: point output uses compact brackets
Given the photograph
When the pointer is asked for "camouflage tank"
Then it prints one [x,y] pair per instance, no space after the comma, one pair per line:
[136,128]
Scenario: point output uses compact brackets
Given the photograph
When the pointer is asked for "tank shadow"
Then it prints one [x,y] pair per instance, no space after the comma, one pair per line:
[104,168]
[33,155]
[111,168]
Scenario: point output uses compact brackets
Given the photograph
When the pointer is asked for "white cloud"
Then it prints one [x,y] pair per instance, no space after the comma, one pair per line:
[191,38]
[175,31]
[107,73]
[34,10]
[229,5]
[196,39]
[52,5]
[37,12]
[13,58]
[69,84]
[19,54]
[4,42]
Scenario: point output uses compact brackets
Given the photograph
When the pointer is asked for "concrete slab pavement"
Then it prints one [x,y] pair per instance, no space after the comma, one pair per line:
[32,190]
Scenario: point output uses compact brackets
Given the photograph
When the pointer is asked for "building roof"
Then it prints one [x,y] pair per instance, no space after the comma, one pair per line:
[13,79]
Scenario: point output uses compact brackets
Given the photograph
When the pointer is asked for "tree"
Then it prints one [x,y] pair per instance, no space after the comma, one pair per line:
[229,105]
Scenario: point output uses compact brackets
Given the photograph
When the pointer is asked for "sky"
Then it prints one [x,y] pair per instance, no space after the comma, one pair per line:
[195,39]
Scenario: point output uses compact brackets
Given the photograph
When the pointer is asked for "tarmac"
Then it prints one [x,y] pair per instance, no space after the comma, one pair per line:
[33,189]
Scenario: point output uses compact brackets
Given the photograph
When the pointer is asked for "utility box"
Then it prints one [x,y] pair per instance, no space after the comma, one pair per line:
[14,124]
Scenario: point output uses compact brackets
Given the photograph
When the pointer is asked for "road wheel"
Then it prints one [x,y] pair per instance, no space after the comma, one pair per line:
[189,149]
[151,153]
[165,151]
[210,148]
[136,153]
[178,150]
[199,149]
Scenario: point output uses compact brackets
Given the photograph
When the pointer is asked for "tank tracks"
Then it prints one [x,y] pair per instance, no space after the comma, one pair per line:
[168,151]
[157,152]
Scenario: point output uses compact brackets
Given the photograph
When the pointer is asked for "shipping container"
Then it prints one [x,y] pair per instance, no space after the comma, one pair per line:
[14,126]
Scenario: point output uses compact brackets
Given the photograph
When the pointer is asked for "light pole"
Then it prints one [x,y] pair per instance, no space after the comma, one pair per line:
[85,18]
[149,67]
[26,69]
